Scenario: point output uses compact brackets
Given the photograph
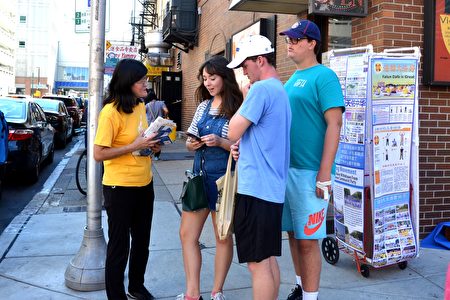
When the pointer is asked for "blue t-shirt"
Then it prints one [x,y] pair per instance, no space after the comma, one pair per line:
[264,147]
[311,92]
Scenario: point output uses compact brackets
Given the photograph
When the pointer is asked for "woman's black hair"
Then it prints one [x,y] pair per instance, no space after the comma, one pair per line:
[231,94]
[126,73]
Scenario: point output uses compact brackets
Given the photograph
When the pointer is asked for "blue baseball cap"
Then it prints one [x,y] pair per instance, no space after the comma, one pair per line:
[303,29]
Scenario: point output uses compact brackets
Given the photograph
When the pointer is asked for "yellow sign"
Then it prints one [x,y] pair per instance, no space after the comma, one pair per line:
[108,45]
[445,29]
[155,71]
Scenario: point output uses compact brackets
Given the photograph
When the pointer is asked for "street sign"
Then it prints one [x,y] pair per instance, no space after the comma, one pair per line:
[83,16]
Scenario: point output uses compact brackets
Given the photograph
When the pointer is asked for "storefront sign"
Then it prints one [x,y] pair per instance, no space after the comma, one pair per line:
[354,8]
[115,52]
[437,43]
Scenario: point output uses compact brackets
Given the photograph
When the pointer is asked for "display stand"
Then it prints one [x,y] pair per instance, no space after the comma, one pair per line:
[375,192]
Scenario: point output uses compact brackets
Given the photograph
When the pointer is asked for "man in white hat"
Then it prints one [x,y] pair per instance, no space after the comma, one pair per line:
[261,130]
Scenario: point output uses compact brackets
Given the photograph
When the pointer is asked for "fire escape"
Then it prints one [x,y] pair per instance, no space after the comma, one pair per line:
[148,18]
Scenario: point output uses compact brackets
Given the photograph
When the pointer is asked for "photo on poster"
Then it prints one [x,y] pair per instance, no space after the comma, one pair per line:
[393,78]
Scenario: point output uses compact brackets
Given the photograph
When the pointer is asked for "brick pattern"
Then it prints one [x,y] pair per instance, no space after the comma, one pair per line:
[399,23]
[390,24]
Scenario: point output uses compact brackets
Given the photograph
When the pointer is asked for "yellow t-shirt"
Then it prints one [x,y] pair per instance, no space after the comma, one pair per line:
[116,129]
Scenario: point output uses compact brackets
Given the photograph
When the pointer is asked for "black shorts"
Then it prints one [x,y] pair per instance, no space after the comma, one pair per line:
[257,228]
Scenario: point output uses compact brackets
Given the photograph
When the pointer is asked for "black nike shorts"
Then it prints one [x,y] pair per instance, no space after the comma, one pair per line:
[257,228]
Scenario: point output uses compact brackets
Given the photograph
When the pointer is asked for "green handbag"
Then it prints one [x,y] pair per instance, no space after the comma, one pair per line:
[193,195]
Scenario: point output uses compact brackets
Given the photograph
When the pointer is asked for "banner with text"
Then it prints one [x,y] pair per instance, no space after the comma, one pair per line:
[348,188]
[394,96]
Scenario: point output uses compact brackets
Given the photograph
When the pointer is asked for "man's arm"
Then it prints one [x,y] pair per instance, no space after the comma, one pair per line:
[333,118]
[238,125]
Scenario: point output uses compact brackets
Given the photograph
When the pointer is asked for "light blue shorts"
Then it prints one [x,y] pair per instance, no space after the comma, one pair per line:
[303,212]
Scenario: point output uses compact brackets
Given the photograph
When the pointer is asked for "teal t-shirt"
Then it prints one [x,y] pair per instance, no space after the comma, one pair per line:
[264,148]
[311,92]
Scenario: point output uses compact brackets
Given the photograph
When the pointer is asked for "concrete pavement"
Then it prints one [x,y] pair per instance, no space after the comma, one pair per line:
[38,245]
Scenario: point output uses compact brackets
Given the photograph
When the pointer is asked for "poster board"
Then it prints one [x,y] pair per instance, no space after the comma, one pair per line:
[394,99]
[376,178]
[349,184]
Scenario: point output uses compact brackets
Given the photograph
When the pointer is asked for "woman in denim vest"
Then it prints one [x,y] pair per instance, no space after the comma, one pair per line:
[208,138]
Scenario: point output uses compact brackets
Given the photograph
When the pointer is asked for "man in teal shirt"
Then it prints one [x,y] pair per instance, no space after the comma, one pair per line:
[317,105]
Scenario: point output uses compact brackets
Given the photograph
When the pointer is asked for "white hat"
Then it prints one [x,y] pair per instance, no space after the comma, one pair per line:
[253,45]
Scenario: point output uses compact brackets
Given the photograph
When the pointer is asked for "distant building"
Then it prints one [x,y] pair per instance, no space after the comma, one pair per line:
[7,46]
[37,23]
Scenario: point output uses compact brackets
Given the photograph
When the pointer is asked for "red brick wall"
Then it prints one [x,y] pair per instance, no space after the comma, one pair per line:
[217,25]
[390,24]
[400,23]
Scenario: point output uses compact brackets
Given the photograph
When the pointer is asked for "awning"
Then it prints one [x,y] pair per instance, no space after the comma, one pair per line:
[271,6]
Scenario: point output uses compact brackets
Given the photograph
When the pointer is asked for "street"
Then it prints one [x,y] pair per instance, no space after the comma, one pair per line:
[17,193]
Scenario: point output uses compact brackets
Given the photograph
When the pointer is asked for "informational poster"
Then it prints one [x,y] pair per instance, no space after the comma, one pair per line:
[394,95]
[350,159]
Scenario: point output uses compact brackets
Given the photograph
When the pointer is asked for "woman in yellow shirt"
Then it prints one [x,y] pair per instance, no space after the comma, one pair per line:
[127,179]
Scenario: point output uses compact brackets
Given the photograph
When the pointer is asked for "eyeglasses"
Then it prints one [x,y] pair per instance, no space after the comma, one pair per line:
[143,81]
[293,41]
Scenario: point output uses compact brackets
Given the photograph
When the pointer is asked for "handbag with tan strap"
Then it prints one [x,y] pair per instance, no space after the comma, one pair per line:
[227,187]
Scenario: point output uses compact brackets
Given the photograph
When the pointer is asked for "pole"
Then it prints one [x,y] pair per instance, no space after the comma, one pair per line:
[31,85]
[39,80]
[86,271]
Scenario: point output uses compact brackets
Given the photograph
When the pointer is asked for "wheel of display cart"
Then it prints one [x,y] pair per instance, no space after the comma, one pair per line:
[365,272]
[402,265]
[330,250]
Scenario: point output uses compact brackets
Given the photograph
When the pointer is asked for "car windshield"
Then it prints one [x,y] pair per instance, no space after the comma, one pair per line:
[51,106]
[70,102]
[14,111]
[67,101]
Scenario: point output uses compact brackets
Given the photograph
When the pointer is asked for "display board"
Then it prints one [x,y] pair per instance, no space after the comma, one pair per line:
[376,162]
[351,155]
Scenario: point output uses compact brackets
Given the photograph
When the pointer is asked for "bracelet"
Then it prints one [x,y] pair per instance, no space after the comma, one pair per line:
[324,187]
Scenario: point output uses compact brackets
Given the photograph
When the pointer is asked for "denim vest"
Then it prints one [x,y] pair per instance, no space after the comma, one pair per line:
[212,160]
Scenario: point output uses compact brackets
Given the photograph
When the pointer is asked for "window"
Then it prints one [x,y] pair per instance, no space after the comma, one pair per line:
[21,44]
[340,33]
[23,19]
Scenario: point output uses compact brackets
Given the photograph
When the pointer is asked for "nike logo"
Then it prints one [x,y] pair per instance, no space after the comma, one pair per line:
[314,222]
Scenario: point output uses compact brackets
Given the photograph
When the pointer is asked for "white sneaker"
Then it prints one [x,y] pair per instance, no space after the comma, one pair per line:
[180,297]
[218,296]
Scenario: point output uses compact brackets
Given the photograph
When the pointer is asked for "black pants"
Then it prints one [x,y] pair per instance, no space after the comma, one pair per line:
[130,212]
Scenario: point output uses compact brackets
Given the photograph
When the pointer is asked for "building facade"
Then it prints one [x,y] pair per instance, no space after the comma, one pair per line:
[7,47]
[388,24]
[37,34]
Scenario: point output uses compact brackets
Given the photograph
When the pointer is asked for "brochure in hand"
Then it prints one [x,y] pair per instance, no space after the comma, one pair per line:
[163,128]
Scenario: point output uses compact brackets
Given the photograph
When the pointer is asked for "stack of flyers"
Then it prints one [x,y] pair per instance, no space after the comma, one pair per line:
[163,128]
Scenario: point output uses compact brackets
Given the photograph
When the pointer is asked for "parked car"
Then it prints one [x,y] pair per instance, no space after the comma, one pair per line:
[72,106]
[30,138]
[57,114]
[3,148]
[20,96]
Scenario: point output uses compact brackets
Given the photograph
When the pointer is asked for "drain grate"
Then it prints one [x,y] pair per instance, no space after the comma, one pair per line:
[76,208]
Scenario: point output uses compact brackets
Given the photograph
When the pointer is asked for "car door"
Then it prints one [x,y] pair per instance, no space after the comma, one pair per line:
[69,120]
[46,130]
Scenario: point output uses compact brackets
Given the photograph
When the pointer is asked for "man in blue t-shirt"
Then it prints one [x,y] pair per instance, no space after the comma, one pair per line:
[317,105]
[261,129]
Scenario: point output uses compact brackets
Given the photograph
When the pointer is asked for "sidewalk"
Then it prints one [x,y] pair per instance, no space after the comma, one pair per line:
[36,248]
